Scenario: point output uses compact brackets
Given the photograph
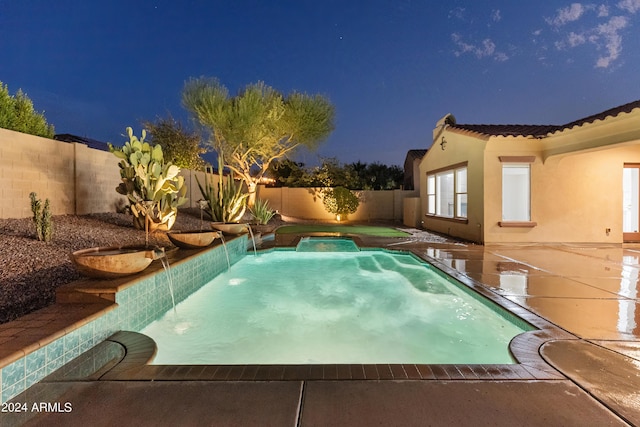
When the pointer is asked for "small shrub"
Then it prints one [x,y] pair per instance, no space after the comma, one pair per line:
[42,218]
[340,201]
[261,211]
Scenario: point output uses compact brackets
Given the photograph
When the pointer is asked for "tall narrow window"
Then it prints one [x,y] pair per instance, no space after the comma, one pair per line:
[461,192]
[431,194]
[516,192]
[447,193]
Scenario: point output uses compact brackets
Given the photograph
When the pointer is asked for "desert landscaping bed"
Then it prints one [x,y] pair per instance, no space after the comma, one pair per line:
[31,270]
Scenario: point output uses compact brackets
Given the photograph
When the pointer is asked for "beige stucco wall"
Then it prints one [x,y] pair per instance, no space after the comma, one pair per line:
[306,203]
[459,148]
[411,212]
[193,191]
[574,198]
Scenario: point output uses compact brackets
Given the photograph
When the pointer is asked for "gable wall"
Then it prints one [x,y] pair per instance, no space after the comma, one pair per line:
[459,148]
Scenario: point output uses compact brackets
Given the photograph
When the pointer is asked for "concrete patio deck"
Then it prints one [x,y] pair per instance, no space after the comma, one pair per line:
[589,292]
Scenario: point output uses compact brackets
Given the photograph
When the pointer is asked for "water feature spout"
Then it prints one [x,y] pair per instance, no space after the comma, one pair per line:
[253,240]
[203,205]
[167,270]
[158,253]
[226,251]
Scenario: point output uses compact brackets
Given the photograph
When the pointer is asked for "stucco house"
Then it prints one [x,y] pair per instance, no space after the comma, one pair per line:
[578,182]
[412,169]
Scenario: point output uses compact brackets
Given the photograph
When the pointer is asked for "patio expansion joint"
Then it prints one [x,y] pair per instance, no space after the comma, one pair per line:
[601,372]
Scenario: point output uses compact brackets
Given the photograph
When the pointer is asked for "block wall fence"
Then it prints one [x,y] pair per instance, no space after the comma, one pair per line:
[79,180]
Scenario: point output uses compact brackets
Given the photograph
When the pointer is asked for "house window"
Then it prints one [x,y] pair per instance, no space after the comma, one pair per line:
[516,192]
[431,194]
[447,193]
[461,192]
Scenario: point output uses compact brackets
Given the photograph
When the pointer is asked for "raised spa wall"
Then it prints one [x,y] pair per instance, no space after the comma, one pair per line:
[138,304]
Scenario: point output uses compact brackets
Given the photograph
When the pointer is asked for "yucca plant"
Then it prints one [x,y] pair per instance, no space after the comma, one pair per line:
[226,201]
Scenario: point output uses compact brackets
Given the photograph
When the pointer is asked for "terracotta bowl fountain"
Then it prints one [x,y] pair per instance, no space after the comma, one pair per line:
[230,228]
[115,261]
[192,239]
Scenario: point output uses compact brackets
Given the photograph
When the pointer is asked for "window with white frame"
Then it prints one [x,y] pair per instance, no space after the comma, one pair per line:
[516,192]
[447,193]
[431,194]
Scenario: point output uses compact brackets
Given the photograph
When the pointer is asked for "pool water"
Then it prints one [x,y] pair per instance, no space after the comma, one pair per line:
[366,307]
[326,244]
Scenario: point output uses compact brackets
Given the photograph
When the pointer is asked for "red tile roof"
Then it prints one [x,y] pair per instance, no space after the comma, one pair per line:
[540,131]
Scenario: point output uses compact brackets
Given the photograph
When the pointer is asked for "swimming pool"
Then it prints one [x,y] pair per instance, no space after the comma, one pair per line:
[374,306]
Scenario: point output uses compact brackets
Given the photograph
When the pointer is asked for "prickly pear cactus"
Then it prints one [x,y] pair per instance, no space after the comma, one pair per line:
[153,187]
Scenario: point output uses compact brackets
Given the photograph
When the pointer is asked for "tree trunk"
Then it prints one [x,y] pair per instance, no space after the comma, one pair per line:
[252,189]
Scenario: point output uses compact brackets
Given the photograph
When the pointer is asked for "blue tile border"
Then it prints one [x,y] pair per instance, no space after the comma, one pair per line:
[138,305]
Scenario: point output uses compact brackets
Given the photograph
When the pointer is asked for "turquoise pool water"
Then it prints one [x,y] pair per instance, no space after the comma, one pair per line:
[288,307]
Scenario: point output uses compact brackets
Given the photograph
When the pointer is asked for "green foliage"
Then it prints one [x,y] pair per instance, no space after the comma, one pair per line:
[226,201]
[354,176]
[153,187]
[42,218]
[258,125]
[340,201]
[180,147]
[17,113]
[375,176]
[261,211]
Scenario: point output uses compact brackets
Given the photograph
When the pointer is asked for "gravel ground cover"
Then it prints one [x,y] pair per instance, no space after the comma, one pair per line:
[30,270]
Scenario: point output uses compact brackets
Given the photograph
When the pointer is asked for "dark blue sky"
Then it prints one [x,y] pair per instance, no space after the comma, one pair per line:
[392,68]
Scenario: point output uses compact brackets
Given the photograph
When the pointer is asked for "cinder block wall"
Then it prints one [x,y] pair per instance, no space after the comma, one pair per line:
[30,163]
[81,180]
[97,176]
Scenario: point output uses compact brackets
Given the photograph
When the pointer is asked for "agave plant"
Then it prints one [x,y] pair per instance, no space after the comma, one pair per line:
[261,211]
[153,187]
[226,202]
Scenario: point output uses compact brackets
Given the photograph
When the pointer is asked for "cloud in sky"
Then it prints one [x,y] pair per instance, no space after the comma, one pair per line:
[603,11]
[631,6]
[568,14]
[484,49]
[609,33]
[604,36]
[458,12]
[599,27]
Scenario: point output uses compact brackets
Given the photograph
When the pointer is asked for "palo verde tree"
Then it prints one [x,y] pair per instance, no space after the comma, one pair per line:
[257,126]
[17,113]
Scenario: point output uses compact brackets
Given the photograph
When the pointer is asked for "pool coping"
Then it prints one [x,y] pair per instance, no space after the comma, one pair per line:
[141,349]
[525,349]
